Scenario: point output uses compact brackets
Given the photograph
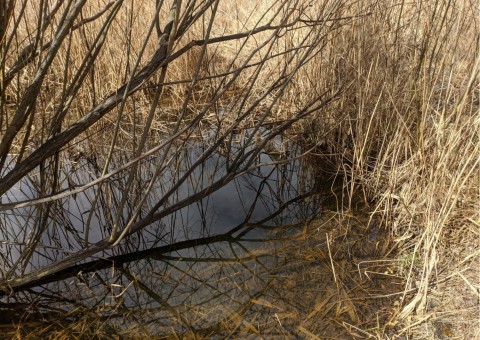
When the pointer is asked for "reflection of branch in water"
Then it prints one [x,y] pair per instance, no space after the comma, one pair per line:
[158,252]
[201,277]
[233,316]
[217,301]
[157,298]
[60,266]
[209,297]
[212,259]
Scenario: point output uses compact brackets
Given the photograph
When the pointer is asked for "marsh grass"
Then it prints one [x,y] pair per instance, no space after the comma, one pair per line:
[410,143]
[401,133]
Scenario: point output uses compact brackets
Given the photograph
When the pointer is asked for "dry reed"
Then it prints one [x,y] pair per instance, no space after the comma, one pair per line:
[402,134]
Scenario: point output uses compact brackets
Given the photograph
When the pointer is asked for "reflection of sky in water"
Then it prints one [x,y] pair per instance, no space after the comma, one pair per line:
[198,278]
[259,192]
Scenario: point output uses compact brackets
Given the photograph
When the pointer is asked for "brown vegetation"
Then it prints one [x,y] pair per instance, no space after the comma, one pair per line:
[383,95]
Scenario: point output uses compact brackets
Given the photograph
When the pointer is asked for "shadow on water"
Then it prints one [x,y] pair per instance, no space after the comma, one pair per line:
[196,271]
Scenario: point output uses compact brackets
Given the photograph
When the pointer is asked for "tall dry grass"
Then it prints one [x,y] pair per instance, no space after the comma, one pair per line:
[408,138]
[403,131]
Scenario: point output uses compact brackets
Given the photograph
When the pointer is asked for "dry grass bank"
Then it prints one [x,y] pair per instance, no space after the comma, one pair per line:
[409,140]
[403,132]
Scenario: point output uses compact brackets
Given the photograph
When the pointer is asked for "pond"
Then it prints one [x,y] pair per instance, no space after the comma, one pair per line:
[198,268]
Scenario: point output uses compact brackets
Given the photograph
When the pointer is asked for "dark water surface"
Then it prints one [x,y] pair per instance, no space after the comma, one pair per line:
[187,271]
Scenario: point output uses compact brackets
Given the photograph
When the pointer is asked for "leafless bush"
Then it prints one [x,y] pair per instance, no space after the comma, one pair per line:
[139,111]
[119,86]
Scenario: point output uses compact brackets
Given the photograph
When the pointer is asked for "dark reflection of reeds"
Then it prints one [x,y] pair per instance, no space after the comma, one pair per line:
[274,284]
[68,225]
[189,272]
[188,289]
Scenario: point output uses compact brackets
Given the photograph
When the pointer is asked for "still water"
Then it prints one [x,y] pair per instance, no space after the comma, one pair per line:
[189,271]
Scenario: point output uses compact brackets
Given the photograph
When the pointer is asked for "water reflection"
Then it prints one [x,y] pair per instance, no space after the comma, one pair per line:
[193,270]
[194,289]
[247,199]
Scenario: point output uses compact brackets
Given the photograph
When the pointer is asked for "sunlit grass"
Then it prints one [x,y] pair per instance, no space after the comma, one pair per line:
[402,135]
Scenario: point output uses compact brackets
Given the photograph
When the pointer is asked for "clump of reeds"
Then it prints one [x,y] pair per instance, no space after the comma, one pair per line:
[405,133]
[402,126]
